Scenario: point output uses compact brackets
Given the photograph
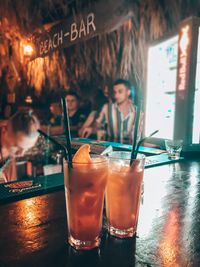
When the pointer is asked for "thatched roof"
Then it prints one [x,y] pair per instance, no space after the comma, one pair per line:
[121,53]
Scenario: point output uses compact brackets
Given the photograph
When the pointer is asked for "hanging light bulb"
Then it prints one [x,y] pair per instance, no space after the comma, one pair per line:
[28,50]
[29,99]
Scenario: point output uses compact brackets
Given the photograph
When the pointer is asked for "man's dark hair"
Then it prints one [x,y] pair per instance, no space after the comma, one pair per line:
[124,82]
[72,93]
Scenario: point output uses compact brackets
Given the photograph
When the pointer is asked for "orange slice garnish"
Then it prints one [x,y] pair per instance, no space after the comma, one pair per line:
[82,155]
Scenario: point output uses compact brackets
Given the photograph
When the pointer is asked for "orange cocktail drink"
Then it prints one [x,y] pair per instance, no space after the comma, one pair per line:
[85,186]
[123,194]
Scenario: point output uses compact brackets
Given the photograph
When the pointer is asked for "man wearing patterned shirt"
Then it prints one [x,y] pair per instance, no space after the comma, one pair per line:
[119,116]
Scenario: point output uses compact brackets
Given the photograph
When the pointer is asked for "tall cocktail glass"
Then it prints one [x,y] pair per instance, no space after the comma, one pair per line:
[84,190]
[123,193]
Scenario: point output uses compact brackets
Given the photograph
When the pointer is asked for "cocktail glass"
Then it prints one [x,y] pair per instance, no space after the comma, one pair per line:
[84,190]
[123,193]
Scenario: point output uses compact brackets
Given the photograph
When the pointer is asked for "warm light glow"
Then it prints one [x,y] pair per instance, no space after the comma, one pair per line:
[30,214]
[184,41]
[183,58]
[28,99]
[28,50]
[170,247]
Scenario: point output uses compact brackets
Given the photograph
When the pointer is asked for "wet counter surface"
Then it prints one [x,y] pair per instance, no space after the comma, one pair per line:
[33,231]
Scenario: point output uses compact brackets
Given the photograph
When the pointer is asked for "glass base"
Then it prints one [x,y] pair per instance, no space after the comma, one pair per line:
[130,232]
[173,156]
[83,245]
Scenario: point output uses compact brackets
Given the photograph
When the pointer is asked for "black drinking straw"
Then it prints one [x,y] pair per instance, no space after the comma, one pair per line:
[53,140]
[142,140]
[137,120]
[67,128]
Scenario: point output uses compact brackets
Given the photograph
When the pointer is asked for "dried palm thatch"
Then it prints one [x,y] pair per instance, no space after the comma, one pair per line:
[48,68]
[121,53]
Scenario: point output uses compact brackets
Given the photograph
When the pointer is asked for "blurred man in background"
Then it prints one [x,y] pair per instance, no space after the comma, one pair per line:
[119,116]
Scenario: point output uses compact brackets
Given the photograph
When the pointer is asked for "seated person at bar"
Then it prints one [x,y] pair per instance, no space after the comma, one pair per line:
[19,135]
[76,116]
[119,116]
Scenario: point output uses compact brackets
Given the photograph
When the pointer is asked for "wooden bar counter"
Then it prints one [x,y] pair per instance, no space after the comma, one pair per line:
[34,230]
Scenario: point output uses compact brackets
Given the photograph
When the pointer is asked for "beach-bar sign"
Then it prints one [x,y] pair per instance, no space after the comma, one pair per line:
[102,17]
[76,31]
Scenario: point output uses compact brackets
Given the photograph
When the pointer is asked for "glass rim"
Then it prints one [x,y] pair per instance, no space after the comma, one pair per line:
[141,156]
[102,160]
[174,140]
